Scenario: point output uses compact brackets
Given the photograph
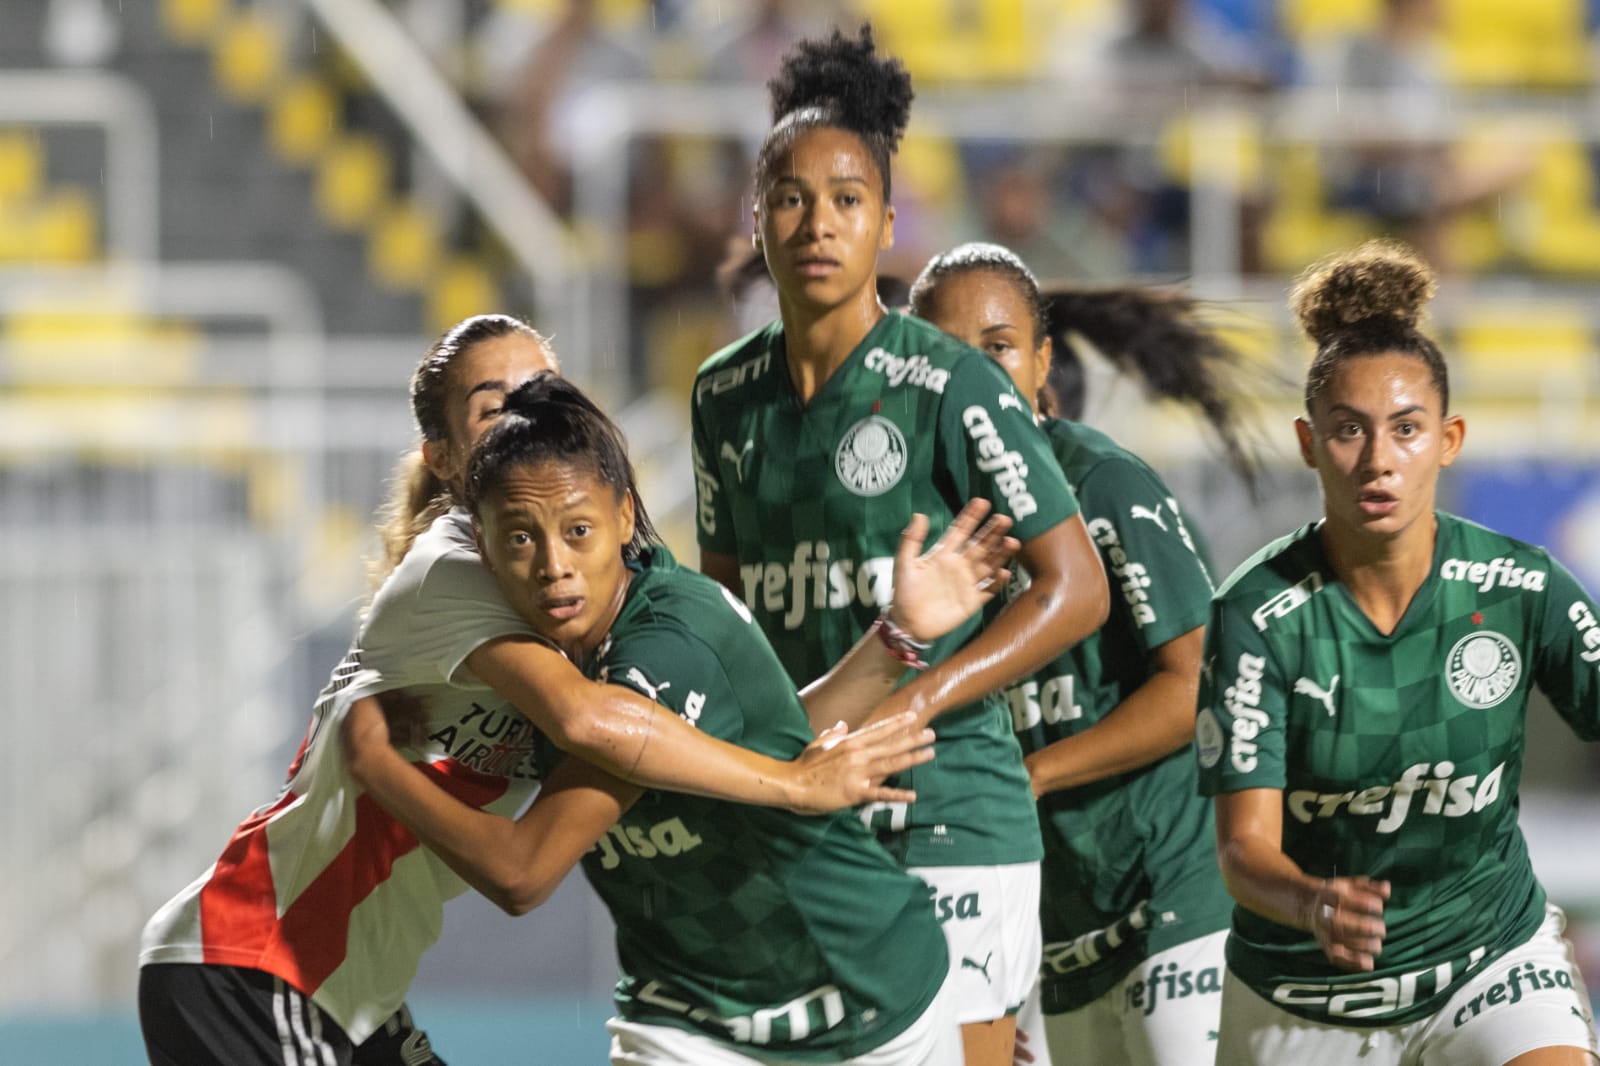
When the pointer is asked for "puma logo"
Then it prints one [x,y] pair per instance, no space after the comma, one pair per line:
[1138,511]
[737,457]
[639,679]
[1008,400]
[984,969]
[1307,687]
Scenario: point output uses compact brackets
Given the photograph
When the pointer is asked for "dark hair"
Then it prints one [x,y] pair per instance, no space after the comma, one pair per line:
[416,495]
[1157,335]
[547,418]
[838,83]
[1367,302]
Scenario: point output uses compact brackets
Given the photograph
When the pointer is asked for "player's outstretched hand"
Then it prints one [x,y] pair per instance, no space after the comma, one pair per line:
[935,591]
[841,769]
[1347,920]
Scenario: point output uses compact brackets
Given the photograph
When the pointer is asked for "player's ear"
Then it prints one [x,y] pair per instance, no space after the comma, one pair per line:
[1302,431]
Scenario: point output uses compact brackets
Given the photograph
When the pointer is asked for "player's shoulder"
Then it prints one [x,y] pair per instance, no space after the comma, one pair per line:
[668,601]
[1485,557]
[1083,451]
[747,360]
[445,552]
[1278,579]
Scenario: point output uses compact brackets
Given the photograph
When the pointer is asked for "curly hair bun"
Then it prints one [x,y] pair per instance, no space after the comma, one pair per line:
[1380,279]
[869,93]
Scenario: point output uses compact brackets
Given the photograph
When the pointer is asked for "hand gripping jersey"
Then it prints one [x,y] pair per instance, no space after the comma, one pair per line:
[812,500]
[321,887]
[795,935]
[1399,756]
[1130,864]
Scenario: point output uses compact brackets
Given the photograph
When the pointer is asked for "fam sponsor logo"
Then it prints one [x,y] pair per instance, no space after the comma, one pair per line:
[666,839]
[1131,577]
[1483,668]
[1375,997]
[1517,983]
[1445,795]
[1503,572]
[1068,956]
[1168,982]
[1582,617]
[907,370]
[813,579]
[871,456]
[706,487]
[815,1011]
[498,743]
[1242,699]
[1009,470]
[728,378]
[1286,601]
[1051,701]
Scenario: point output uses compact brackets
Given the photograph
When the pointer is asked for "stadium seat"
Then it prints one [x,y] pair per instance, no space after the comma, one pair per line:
[1539,43]
[1525,348]
[21,166]
[303,119]
[402,246]
[951,41]
[352,181]
[460,287]
[192,22]
[248,58]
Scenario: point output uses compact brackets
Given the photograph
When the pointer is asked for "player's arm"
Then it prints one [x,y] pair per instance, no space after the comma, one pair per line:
[1066,600]
[1155,720]
[640,742]
[1345,914]
[934,592]
[517,863]
[1567,656]
[722,568]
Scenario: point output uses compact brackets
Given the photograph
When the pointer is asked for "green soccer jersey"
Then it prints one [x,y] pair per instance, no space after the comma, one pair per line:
[812,499]
[799,935]
[1130,865]
[1399,756]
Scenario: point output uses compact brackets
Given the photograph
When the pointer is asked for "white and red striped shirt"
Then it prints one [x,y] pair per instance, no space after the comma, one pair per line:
[321,887]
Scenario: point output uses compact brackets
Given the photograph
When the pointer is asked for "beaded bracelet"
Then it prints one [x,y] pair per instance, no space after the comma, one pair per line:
[900,644]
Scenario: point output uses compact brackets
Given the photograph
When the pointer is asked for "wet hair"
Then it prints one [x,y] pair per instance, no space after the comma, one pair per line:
[1368,302]
[838,82]
[1157,335]
[416,495]
[548,419]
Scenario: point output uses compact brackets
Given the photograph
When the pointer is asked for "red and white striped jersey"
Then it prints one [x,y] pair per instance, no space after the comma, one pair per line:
[322,887]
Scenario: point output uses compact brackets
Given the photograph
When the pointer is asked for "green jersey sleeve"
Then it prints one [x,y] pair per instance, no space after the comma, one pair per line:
[713,518]
[678,670]
[1156,578]
[1242,723]
[1567,658]
[991,447]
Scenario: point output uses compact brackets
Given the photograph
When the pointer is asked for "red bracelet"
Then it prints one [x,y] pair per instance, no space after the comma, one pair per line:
[900,644]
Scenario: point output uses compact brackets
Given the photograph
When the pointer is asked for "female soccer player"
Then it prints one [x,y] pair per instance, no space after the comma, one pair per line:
[1133,912]
[300,942]
[1362,725]
[745,935]
[817,437]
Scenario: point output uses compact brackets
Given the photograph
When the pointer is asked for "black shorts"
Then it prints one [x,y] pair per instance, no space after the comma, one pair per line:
[198,1014]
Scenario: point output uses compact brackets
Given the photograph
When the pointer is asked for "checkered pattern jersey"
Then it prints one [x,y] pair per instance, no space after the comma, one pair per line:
[1144,836]
[795,934]
[1399,755]
[812,499]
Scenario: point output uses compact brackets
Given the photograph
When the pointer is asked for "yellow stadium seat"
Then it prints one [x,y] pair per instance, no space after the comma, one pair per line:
[403,246]
[65,227]
[352,181]
[1523,347]
[461,287]
[303,119]
[1329,18]
[949,40]
[21,166]
[248,58]
[1231,150]
[192,22]
[1530,42]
